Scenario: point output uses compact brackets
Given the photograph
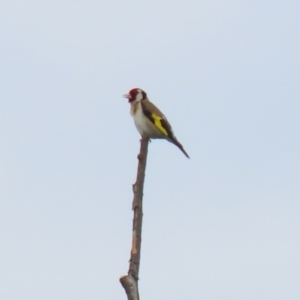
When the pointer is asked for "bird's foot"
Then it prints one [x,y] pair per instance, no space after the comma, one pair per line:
[145,138]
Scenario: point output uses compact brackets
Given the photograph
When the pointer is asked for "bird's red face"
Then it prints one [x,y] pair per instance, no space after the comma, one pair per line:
[135,95]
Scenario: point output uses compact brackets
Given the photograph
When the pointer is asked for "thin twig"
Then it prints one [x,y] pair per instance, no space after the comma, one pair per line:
[130,281]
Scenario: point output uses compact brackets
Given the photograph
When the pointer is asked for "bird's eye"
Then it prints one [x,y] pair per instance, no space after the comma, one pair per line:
[134,93]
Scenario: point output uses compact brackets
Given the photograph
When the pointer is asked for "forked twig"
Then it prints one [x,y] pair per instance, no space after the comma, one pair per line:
[130,281]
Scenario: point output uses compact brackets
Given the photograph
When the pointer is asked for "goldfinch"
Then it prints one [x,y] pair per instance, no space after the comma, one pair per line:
[149,120]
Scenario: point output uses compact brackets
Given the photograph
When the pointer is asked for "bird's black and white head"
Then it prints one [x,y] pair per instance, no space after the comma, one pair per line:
[135,95]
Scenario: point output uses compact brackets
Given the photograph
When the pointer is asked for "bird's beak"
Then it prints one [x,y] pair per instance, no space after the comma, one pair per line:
[128,96]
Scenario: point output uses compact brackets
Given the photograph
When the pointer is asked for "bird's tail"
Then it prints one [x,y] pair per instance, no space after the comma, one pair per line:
[176,142]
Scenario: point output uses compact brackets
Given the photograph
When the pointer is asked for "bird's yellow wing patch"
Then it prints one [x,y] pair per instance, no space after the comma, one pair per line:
[157,122]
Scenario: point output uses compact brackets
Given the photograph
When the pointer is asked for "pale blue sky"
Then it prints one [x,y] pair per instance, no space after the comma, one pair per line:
[221,226]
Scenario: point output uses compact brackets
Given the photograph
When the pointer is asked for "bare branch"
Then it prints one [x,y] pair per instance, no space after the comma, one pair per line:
[130,281]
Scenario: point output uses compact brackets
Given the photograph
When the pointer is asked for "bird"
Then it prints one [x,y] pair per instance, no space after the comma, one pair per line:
[149,120]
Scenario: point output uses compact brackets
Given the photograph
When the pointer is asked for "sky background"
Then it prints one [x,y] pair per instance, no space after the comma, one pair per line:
[224,225]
